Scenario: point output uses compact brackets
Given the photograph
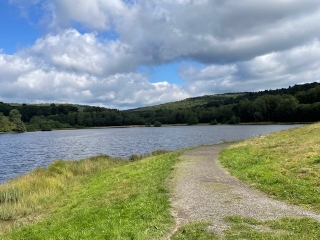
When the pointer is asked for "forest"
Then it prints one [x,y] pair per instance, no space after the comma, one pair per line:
[299,103]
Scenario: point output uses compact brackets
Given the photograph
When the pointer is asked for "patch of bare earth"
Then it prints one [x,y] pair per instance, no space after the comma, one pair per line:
[203,191]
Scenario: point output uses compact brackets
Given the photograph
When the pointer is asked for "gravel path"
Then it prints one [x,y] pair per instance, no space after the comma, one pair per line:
[203,191]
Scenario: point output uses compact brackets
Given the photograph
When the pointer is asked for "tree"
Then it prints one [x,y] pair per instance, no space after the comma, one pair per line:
[285,111]
[234,120]
[5,124]
[15,118]
[192,120]
[246,110]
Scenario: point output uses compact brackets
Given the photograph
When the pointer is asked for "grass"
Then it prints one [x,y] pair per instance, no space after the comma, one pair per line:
[285,165]
[30,194]
[194,231]
[252,229]
[283,229]
[96,198]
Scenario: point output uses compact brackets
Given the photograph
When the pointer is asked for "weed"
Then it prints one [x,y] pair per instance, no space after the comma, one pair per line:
[9,195]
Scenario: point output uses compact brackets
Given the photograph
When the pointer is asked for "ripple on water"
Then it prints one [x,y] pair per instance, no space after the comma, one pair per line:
[21,153]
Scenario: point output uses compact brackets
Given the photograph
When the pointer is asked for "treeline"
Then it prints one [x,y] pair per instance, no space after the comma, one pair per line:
[12,122]
[300,103]
[48,117]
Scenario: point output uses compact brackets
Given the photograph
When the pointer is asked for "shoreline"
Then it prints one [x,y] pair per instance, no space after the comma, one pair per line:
[174,125]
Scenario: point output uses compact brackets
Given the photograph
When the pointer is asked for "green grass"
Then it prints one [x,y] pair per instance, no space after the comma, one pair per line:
[252,229]
[194,231]
[116,201]
[284,165]
[283,229]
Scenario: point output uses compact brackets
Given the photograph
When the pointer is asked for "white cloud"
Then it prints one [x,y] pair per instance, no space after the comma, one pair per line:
[125,90]
[269,71]
[71,51]
[241,46]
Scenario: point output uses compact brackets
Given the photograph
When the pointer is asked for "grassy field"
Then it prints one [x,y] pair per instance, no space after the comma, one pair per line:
[96,198]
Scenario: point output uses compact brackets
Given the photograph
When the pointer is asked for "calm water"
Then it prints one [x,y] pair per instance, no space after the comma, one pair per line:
[21,153]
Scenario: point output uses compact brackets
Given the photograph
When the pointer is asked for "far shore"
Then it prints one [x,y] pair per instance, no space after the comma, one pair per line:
[173,125]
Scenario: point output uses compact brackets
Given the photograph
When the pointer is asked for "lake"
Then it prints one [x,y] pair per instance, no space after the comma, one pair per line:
[21,153]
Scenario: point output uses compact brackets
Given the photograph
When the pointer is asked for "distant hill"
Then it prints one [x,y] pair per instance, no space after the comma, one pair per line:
[224,99]
[191,102]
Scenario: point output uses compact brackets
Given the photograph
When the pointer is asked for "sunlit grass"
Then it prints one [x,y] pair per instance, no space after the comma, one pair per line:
[27,197]
[282,229]
[285,165]
[96,198]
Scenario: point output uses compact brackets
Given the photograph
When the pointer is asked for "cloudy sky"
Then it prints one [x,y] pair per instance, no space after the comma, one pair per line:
[132,53]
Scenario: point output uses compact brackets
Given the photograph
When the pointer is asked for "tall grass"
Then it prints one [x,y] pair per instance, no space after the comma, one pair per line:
[96,198]
[25,198]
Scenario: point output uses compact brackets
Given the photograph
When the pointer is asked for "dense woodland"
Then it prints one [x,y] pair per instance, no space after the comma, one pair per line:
[300,103]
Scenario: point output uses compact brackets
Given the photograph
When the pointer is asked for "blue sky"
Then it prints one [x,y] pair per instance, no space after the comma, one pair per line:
[16,32]
[126,54]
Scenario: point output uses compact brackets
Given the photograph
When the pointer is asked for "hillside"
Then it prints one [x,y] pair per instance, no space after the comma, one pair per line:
[300,103]
[218,99]
[191,102]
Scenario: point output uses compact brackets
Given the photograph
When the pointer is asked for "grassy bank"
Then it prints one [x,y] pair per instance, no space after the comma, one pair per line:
[285,165]
[96,198]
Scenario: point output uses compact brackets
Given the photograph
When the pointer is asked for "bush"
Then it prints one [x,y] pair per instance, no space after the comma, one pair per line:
[134,157]
[46,127]
[30,128]
[157,124]
[224,121]
[234,120]
[214,122]
[192,120]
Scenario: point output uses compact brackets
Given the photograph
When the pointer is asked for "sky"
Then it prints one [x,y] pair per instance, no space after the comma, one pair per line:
[132,53]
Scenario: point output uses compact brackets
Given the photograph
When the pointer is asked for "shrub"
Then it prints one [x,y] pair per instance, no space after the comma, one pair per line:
[214,122]
[134,157]
[46,127]
[234,120]
[157,124]
[224,121]
[30,128]
[192,120]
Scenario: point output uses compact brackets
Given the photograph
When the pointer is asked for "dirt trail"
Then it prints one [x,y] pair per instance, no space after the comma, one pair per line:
[203,191]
